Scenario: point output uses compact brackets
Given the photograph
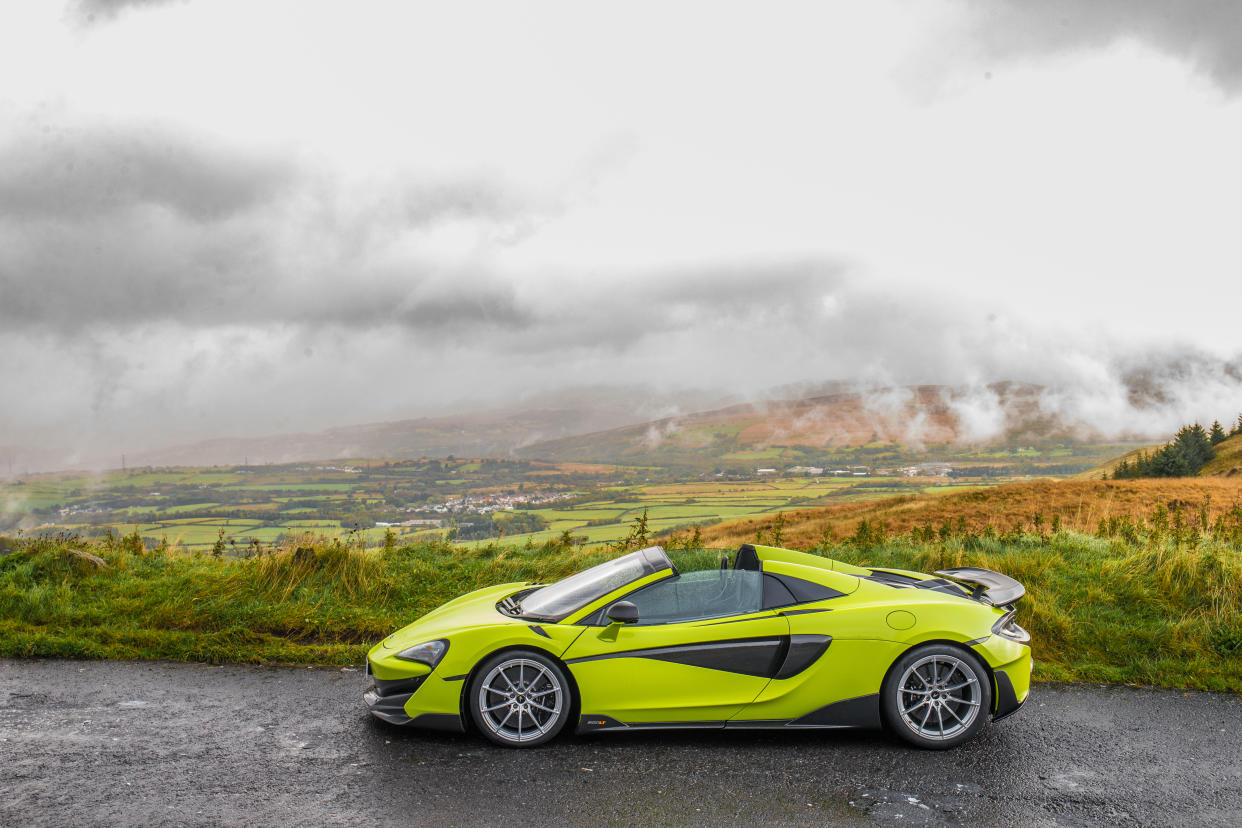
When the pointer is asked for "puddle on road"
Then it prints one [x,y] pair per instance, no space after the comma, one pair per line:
[905,808]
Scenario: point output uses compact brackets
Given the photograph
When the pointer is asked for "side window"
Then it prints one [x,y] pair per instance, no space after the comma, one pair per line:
[709,593]
[786,590]
[775,593]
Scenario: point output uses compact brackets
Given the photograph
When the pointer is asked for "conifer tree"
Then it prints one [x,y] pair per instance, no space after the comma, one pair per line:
[1183,457]
[1217,434]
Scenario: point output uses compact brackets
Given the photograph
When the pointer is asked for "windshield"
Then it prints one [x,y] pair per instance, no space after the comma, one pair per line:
[558,600]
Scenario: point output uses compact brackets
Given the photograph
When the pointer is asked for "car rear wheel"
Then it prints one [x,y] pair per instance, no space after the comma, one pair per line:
[520,698]
[937,696]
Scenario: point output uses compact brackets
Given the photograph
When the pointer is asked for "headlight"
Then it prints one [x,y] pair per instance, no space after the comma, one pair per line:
[1006,627]
[429,652]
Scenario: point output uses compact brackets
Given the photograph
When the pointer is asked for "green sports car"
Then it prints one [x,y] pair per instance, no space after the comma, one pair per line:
[780,639]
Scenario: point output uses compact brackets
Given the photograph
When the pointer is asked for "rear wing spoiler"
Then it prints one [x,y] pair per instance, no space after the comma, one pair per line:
[987,586]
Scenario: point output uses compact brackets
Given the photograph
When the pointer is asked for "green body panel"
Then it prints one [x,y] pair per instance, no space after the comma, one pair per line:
[909,573]
[837,580]
[775,553]
[848,669]
[474,629]
[1013,658]
[871,625]
[637,689]
[867,614]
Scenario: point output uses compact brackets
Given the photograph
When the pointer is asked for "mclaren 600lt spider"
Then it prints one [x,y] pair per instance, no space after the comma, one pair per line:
[777,639]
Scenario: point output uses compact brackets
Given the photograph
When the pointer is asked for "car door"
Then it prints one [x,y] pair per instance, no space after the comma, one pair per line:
[701,650]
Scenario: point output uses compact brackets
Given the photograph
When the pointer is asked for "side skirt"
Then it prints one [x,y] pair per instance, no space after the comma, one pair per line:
[861,712]
[589,723]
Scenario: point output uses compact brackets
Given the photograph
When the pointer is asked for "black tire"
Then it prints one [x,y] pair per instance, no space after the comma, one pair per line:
[525,684]
[942,681]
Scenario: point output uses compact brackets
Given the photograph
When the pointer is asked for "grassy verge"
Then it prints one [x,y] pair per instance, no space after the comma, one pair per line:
[1142,606]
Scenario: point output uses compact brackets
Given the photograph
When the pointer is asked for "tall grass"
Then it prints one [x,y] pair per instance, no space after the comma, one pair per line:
[1036,506]
[312,600]
[1153,601]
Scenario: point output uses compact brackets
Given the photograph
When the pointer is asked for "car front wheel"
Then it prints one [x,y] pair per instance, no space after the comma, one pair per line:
[519,698]
[937,696]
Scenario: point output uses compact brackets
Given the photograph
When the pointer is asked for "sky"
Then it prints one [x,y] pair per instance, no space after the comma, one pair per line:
[229,218]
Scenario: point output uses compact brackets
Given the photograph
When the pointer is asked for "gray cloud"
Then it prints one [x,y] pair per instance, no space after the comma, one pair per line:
[83,174]
[1206,33]
[114,228]
[122,226]
[102,11]
[164,281]
[156,285]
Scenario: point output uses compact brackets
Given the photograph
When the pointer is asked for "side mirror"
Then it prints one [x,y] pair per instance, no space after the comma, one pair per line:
[623,612]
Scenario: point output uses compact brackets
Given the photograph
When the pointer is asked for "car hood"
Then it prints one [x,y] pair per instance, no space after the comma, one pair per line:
[474,609]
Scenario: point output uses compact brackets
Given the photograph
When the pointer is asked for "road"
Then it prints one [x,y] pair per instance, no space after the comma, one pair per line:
[118,743]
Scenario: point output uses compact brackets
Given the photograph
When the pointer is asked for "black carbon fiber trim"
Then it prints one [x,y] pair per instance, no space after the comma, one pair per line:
[736,620]
[1006,698]
[603,724]
[595,724]
[746,656]
[862,711]
[394,687]
[391,708]
[804,650]
[438,721]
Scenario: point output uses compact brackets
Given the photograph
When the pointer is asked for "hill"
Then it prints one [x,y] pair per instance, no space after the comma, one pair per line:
[483,434]
[478,432]
[1105,470]
[1228,461]
[1077,505]
[874,426]
[914,417]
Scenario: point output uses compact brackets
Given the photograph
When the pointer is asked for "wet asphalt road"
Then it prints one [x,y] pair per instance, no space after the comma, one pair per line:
[96,743]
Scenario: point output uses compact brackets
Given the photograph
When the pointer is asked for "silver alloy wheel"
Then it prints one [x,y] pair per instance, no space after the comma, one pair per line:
[520,700]
[939,696]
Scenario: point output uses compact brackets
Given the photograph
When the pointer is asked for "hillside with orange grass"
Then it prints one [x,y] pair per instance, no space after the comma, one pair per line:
[1228,460]
[1227,463]
[915,417]
[1077,505]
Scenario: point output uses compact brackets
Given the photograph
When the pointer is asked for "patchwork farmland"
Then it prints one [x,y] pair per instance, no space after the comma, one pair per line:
[468,501]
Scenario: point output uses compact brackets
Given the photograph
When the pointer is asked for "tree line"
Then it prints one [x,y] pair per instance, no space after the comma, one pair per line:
[1187,453]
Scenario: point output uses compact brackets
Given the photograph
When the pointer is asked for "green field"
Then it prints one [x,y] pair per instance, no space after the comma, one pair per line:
[593,503]
[682,505]
[189,507]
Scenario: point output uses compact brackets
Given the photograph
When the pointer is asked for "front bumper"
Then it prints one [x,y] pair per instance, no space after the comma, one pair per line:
[387,700]
[389,708]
